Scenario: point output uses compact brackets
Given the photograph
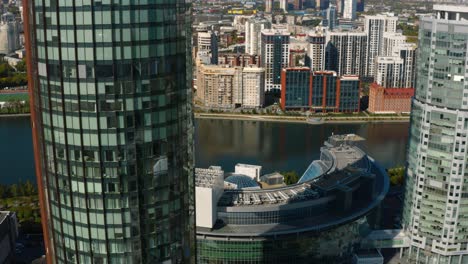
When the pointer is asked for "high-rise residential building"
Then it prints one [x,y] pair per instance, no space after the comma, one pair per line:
[208,41]
[322,4]
[253,34]
[229,87]
[315,58]
[390,40]
[388,71]
[269,6]
[275,56]
[435,206]
[110,90]
[9,34]
[284,5]
[375,27]
[346,52]
[407,52]
[349,10]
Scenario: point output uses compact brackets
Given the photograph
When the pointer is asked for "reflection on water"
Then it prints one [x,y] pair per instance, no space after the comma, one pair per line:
[275,146]
[286,146]
[16,153]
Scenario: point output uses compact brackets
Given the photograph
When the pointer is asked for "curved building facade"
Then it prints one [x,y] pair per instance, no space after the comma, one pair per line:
[435,208]
[112,126]
[321,218]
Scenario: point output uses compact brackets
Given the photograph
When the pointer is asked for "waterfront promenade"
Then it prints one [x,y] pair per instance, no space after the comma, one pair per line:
[304,119]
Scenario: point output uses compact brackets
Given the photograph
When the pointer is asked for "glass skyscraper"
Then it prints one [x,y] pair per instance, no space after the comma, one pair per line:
[436,205]
[113,127]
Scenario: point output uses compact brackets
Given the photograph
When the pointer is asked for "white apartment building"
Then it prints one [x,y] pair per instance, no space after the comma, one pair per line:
[316,49]
[207,41]
[349,11]
[253,85]
[9,34]
[407,52]
[253,34]
[347,52]
[389,42]
[275,56]
[388,71]
[375,27]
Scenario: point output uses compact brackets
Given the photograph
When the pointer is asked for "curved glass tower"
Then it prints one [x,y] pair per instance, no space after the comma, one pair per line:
[436,205]
[112,124]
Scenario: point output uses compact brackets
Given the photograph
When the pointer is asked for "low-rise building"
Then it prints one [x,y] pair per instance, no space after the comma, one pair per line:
[389,100]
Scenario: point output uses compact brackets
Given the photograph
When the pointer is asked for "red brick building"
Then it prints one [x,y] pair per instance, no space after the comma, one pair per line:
[389,100]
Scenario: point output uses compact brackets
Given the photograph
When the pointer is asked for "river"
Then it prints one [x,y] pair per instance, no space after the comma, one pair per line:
[275,146]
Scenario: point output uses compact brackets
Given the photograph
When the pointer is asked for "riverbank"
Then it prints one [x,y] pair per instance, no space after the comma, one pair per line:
[301,119]
[287,119]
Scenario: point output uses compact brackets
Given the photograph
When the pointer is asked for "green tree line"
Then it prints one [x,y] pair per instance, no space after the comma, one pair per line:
[17,190]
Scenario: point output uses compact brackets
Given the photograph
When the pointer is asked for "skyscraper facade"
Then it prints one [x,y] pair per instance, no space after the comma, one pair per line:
[275,56]
[435,207]
[315,57]
[349,11]
[253,34]
[112,129]
[346,52]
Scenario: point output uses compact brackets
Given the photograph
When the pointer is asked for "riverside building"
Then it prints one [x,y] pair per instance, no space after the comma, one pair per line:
[320,91]
[435,206]
[112,129]
[246,217]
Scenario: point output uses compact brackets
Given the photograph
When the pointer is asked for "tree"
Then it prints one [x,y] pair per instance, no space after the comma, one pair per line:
[21,66]
[397,175]
[14,190]
[290,177]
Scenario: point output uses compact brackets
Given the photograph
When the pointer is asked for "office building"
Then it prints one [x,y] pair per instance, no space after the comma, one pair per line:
[346,52]
[208,41]
[112,130]
[331,18]
[253,34]
[360,5]
[375,27]
[275,56]
[9,34]
[349,10]
[318,220]
[435,207]
[8,236]
[296,88]
[315,58]
[269,6]
[322,4]
[389,100]
[388,71]
[230,87]
[320,91]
